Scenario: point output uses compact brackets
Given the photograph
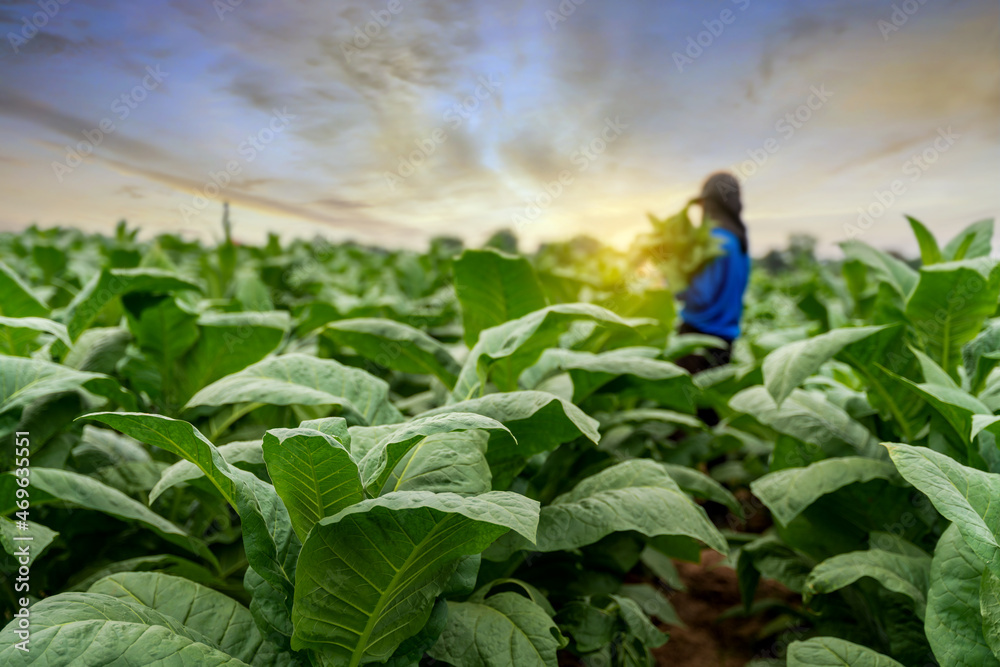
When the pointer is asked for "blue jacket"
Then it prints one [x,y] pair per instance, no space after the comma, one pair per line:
[713,303]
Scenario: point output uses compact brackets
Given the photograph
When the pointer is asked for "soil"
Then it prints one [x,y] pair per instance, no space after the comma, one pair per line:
[706,641]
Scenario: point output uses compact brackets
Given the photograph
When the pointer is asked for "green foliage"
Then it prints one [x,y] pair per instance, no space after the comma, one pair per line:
[307,454]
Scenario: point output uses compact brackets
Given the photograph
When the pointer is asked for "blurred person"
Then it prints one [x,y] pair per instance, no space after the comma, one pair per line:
[713,303]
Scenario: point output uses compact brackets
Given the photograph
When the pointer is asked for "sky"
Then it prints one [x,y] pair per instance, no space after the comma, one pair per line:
[394,121]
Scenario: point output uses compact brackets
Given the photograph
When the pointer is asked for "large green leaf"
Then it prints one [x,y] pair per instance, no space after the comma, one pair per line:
[18,298]
[111,284]
[17,334]
[220,619]
[950,304]
[267,532]
[907,574]
[965,496]
[788,366]
[639,375]
[634,495]
[395,345]
[976,240]
[380,462]
[23,381]
[367,577]
[49,485]
[834,652]
[787,493]
[930,252]
[981,355]
[497,631]
[493,288]
[299,379]
[453,462]
[989,606]
[503,352]
[98,350]
[806,416]
[14,536]
[245,454]
[893,271]
[227,343]
[538,420]
[313,474]
[953,624]
[76,629]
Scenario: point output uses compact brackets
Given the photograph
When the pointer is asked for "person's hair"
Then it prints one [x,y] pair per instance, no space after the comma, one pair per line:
[721,203]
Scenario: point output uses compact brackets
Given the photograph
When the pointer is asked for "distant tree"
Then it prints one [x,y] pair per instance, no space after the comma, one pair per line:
[504,240]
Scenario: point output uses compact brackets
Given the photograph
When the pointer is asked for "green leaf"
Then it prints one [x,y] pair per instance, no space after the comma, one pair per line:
[635,495]
[50,485]
[891,270]
[539,422]
[9,325]
[313,474]
[652,602]
[98,350]
[395,345]
[164,330]
[639,375]
[220,619]
[787,493]
[12,538]
[963,495]
[976,240]
[899,573]
[950,304]
[806,416]
[299,379]
[788,366]
[504,351]
[702,486]
[930,253]
[267,534]
[367,577]
[502,629]
[227,343]
[444,463]
[23,381]
[981,355]
[834,652]
[953,624]
[989,607]
[493,288]
[111,284]
[249,453]
[105,642]
[18,298]
[380,462]
[637,623]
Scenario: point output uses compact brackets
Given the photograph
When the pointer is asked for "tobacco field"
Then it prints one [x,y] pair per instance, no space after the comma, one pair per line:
[307,454]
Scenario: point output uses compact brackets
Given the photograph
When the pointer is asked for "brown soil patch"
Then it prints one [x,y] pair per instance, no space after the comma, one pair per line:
[707,641]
